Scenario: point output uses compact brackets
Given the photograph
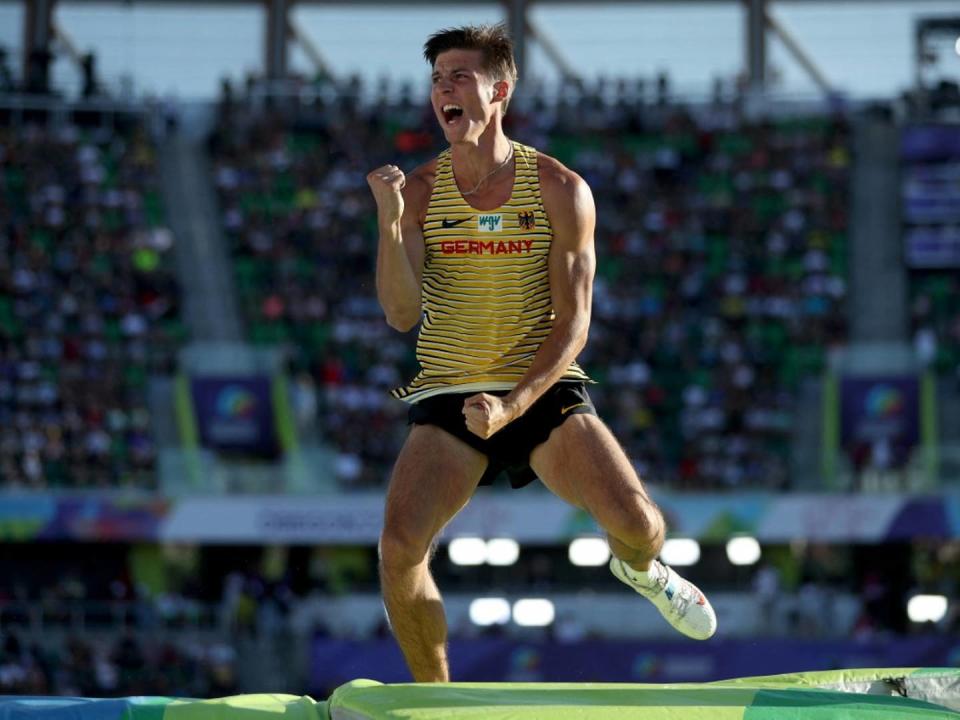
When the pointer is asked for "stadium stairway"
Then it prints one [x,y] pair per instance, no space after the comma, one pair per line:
[877,294]
[807,436]
[878,288]
[203,265]
[162,412]
[885,694]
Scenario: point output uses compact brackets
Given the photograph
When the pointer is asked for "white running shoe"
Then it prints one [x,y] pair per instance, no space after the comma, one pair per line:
[678,600]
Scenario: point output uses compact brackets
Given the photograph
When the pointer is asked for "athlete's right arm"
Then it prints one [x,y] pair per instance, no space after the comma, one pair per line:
[400,204]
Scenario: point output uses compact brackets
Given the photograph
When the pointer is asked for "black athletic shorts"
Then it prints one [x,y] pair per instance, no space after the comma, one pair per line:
[507,450]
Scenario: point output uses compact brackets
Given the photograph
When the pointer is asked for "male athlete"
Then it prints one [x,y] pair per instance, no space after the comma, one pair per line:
[491,245]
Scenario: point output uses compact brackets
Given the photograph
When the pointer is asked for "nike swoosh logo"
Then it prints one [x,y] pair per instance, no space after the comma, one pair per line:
[453,223]
[568,408]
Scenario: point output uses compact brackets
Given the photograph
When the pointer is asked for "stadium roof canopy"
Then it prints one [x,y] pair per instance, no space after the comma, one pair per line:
[280,29]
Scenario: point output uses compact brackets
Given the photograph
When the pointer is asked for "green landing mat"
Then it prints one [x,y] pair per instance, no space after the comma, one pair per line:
[882,694]
[878,694]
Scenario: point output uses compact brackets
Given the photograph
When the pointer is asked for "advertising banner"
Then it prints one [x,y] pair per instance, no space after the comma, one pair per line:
[500,659]
[930,143]
[880,409]
[930,195]
[235,414]
[933,247]
[531,517]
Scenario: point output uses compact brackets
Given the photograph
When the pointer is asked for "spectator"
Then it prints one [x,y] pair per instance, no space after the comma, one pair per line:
[721,274]
[88,305]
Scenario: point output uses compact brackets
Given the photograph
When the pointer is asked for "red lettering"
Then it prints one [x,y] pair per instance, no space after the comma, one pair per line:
[480,247]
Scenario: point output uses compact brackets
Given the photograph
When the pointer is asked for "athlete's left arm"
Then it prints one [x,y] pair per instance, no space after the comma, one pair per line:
[569,205]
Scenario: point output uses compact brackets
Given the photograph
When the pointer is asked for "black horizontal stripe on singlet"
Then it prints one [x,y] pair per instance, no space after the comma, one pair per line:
[532,290]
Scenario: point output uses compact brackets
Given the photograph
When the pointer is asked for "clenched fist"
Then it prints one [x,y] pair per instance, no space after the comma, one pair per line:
[486,414]
[386,183]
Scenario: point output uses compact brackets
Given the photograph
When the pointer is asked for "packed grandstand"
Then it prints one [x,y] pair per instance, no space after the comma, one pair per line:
[726,295]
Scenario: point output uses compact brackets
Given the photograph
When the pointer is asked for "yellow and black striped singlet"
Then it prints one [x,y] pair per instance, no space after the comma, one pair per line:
[486,288]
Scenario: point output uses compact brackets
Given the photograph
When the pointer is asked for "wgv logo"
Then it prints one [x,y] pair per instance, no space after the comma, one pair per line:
[490,223]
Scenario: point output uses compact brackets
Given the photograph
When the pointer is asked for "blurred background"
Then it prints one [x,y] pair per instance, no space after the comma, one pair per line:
[195,426]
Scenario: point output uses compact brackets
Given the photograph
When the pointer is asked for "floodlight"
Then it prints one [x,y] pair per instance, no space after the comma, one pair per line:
[589,552]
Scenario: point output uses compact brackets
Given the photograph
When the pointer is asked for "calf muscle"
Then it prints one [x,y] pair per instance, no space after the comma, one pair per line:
[433,479]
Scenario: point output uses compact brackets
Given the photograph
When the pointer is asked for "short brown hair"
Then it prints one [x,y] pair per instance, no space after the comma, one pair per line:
[493,41]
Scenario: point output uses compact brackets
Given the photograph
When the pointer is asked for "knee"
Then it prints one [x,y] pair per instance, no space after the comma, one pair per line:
[402,546]
[637,523]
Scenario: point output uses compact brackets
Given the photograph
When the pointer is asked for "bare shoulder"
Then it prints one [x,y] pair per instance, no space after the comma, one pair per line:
[566,195]
[419,187]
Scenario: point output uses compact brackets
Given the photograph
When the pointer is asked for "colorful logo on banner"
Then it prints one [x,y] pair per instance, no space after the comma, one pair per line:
[880,409]
[235,414]
[884,401]
[236,402]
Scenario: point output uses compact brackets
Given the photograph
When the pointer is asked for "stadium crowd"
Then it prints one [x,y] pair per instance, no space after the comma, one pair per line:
[99,633]
[721,267]
[69,627]
[122,664]
[935,320]
[88,304]
[931,211]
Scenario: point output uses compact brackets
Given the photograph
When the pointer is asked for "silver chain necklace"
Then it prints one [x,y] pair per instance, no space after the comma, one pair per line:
[487,176]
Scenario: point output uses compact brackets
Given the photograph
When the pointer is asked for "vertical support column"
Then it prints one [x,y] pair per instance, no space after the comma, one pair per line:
[878,293]
[756,45]
[920,60]
[275,47]
[517,23]
[37,38]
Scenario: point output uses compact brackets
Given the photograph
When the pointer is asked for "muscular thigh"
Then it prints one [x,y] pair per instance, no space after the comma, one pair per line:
[434,477]
[583,463]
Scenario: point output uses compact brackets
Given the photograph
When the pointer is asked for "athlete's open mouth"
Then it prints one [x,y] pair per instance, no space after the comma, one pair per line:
[451,112]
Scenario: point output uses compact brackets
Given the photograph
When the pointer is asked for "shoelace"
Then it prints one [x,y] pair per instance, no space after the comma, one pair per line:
[683,594]
[662,577]
[681,600]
